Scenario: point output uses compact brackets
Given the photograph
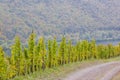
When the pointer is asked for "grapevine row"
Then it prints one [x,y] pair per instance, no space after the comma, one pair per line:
[38,56]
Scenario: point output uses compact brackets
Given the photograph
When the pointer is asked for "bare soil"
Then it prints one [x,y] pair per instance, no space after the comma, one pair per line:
[117,77]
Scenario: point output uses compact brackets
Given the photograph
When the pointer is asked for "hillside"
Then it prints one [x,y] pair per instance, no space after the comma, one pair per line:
[77,19]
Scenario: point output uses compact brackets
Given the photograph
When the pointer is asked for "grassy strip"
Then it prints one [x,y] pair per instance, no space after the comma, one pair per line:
[57,73]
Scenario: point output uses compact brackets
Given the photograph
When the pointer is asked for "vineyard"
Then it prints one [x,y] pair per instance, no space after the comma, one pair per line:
[39,55]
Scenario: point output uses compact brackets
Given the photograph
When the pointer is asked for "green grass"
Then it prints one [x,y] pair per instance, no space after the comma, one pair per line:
[62,71]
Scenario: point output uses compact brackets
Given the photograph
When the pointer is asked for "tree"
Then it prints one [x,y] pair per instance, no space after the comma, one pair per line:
[22,63]
[27,61]
[36,58]
[31,44]
[110,50]
[16,54]
[86,49]
[54,52]
[50,56]
[13,68]
[42,53]
[3,66]
[93,50]
[62,51]
[69,51]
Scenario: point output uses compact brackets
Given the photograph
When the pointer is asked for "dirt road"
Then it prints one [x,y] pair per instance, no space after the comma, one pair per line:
[104,71]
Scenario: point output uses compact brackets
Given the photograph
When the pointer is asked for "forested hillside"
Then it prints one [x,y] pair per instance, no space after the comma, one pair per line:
[77,19]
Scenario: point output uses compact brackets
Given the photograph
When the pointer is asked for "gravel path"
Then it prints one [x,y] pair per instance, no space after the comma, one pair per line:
[99,72]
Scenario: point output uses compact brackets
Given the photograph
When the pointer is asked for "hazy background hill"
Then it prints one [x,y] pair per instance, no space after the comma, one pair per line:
[77,19]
